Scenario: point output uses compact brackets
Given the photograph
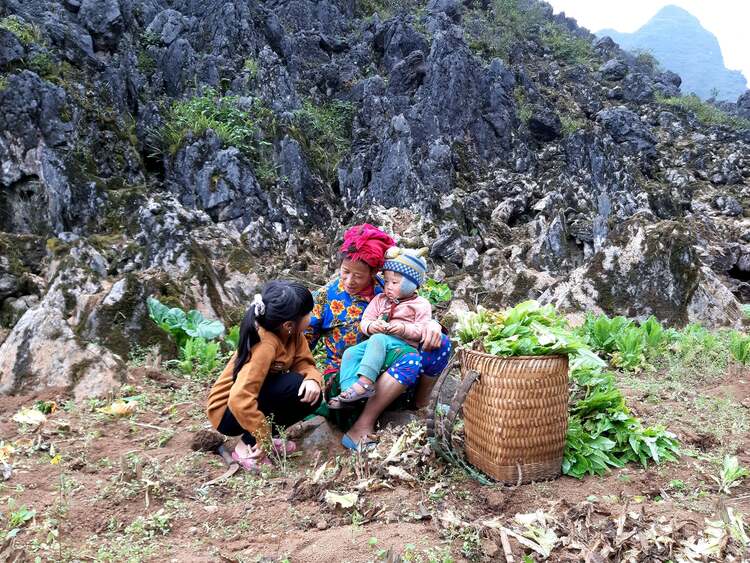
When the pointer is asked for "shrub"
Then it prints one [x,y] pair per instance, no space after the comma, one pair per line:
[233,126]
[325,133]
[566,46]
[386,9]
[706,113]
[246,129]
[25,32]
[493,33]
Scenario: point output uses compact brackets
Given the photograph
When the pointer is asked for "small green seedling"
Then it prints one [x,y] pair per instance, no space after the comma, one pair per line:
[677,485]
[730,475]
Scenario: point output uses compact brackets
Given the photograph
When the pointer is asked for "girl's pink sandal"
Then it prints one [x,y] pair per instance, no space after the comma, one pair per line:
[287,447]
[251,463]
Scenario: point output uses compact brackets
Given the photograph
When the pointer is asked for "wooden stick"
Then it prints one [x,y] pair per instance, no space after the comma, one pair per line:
[145,425]
[506,547]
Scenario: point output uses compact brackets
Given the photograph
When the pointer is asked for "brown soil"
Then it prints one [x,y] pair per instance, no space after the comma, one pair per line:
[117,477]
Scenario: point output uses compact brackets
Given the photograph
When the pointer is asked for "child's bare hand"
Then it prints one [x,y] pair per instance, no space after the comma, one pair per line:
[379,326]
[395,328]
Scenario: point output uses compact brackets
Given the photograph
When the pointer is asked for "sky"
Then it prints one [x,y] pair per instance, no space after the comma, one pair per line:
[728,20]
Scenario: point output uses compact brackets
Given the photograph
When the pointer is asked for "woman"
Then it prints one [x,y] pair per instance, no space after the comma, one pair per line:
[335,318]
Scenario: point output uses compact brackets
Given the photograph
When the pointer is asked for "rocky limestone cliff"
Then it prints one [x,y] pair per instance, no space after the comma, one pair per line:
[191,150]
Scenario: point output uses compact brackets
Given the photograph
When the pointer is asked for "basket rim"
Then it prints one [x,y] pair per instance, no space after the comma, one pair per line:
[486,355]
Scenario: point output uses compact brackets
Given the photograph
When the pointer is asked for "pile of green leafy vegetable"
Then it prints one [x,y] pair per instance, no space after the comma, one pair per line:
[602,432]
[528,329]
[435,292]
[196,337]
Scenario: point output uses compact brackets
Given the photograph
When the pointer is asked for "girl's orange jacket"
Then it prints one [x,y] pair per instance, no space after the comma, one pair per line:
[272,355]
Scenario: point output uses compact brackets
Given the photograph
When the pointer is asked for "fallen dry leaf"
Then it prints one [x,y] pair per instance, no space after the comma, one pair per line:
[119,408]
[30,416]
[400,473]
[345,500]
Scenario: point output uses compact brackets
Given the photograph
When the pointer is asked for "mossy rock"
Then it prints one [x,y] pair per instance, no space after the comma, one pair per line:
[25,251]
[661,279]
[124,323]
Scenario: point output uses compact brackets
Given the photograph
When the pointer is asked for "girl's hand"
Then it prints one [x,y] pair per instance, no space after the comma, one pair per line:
[309,391]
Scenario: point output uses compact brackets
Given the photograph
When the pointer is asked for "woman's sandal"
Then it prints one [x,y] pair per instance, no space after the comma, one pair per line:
[362,446]
[351,396]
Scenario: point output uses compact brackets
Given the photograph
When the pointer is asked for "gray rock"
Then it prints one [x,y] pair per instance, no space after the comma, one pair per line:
[544,124]
[743,105]
[729,206]
[167,25]
[613,69]
[406,76]
[177,63]
[324,437]
[451,8]
[397,418]
[42,352]
[11,50]
[627,128]
[658,272]
[103,19]
[395,40]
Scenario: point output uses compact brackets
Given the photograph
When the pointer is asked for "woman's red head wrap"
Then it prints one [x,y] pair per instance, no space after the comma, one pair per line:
[366,243]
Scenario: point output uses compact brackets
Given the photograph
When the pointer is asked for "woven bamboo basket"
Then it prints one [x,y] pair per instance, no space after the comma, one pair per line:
[516,415]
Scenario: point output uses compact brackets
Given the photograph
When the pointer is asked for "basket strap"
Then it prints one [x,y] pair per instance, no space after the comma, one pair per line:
[459,398]
[440,434]
[435,396]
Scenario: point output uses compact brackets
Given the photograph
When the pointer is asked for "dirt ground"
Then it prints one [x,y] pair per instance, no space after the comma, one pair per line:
[109,488]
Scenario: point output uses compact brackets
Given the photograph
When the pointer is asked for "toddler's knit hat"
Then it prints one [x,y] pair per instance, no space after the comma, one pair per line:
[409,263]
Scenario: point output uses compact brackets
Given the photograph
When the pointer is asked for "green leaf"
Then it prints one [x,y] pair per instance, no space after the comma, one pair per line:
[197,326]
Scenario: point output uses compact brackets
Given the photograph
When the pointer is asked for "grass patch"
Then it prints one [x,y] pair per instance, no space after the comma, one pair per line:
[386,9]
[26,33]
[251,67]
[249,129]
[566,46]
[705,113]
[571,124]
[325,133]
[43,65]
[723,417]
[523,106]
[495,31]
[647,59]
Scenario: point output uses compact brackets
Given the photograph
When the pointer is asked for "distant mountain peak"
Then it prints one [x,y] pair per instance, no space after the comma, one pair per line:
[678,40]
[674,12]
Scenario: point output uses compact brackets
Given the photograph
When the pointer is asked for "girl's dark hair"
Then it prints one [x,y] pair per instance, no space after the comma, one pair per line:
[284,301]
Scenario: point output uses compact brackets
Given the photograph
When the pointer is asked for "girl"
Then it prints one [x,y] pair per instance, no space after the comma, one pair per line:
[271,376]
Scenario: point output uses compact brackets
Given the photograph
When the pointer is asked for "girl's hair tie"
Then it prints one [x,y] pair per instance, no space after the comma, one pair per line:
[260,307]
